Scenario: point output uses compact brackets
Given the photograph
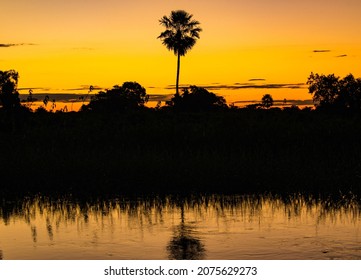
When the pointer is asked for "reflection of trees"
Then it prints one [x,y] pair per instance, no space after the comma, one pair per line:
[185,245]
[34,234]
[145,214]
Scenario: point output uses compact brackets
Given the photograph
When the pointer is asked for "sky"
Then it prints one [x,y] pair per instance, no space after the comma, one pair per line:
[247,48]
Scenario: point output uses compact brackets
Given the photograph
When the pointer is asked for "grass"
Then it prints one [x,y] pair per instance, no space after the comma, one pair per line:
[150,152]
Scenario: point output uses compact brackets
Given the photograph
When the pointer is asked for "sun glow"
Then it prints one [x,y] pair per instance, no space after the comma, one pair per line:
[59,47]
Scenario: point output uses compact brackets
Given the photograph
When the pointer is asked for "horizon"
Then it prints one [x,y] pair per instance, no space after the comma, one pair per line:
[245,50]
[62,99]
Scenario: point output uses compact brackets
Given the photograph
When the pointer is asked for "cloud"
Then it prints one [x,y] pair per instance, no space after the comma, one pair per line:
[160,97]
[296,102]
[14,45]
[237,86]
[84,87]
[256,80]
[34,88]
[8,45]
[321,51]
[342,55]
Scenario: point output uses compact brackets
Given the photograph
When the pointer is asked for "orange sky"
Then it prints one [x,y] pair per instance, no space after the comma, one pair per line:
[65,45]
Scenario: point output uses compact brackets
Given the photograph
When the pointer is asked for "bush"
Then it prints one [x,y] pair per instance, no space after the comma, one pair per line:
[129,96]
[196,99]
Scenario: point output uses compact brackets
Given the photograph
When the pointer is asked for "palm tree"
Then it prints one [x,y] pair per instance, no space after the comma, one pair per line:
[180,35]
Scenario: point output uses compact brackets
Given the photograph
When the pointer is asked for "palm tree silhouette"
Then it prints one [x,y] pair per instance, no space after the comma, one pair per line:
[180,35]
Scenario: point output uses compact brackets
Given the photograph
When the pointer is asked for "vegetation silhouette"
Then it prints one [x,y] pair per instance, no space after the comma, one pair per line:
[130,96]
[12,112]
[180,36]
[196,99]
[267,101]
[9,95]
[333,93]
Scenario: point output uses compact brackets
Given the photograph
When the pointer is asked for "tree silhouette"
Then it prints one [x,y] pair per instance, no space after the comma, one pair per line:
[196,99]
[180,35]
[333,92]
[350,93]
[267,101]
[9,95]
[129,96]
[324,89]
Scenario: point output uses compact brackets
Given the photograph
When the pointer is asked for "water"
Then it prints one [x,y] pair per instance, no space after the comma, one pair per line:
[207,227]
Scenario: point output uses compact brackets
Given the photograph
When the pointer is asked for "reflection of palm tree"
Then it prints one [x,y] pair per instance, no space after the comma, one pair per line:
[180,35]
[184,245]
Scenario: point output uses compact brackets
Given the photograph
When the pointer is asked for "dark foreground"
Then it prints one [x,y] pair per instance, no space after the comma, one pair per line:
[150,152]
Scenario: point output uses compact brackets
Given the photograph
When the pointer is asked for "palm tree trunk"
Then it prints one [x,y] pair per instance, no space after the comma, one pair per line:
[178,68]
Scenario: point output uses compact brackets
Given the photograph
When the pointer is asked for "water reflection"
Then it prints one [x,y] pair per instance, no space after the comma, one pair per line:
[202,227]
[185,245]
[34,234]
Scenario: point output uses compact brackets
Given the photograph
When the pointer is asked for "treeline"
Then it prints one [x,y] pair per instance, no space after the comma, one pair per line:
[329,93]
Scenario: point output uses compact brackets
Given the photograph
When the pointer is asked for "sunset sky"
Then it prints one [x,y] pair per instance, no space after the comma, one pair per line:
[247,48]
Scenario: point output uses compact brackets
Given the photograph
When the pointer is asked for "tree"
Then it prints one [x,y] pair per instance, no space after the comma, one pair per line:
[267,101]
[325,89]
[180,35]
[129,96]
[196,99]
[9,95]
[333,92]
[350,93]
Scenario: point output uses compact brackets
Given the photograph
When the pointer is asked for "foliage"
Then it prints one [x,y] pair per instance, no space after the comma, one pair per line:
[267,101]
[180,35]
[9,96]
[129,96]
[181,32]
[333,92]
[350,93]
[196,99]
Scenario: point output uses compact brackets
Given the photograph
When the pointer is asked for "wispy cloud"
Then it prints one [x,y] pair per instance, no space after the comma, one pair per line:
[84,88]
[160,97]
[321,51]
[8,45]
[279,102]
[256,80]
[342,55]
[34,88]
[15,45]
[237,86]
